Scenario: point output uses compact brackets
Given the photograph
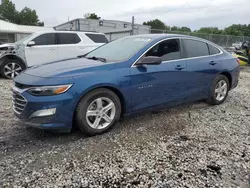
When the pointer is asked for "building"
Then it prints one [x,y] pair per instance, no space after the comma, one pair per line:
[10,32]
[112,28]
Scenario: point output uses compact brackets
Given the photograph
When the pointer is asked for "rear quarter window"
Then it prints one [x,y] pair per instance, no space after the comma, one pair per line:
[97,38]
[213,50]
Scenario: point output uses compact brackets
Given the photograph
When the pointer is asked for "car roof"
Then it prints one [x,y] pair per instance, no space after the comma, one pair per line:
[55,31]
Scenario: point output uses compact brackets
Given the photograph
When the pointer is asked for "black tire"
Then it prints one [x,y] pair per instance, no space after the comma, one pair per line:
[81,110]
[9,61]
[212,96]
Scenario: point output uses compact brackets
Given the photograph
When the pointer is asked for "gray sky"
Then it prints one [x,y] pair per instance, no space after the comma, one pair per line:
[190,13]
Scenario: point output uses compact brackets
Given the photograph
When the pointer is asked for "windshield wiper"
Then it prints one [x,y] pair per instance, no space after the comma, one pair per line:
[97,58]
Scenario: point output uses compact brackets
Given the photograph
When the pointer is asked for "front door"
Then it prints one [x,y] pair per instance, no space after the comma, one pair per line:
[164,84]
[144,87]
[44,50]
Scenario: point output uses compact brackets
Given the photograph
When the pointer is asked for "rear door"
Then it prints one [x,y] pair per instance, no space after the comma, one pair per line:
[68,45]
[44,50]
[202,66]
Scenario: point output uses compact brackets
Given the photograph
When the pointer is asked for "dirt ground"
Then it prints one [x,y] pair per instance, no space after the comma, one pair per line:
[194,145]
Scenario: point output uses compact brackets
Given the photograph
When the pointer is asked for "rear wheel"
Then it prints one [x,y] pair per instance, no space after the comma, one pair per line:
[219,90]
[98,111]
[10,68]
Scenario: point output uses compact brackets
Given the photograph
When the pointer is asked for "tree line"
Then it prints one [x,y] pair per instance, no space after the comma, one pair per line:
[26,16]
[235,29]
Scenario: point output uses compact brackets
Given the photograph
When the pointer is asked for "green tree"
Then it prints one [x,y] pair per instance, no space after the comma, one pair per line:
[182,29]
[174,28]
[167,27]
[27,16]
[92,16]
[185,29]
[210,30]
[8,11]
[156,24]
[238,30]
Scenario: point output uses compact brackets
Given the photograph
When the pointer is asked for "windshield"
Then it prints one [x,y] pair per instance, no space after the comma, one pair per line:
[24,39]
[121,49]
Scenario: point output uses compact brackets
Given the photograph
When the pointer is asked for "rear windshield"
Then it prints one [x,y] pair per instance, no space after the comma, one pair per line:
[97,38]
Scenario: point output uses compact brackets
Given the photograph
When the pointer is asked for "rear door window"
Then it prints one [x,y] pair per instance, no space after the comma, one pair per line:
[68,38]
[97,38]
[45,39]
[195,48]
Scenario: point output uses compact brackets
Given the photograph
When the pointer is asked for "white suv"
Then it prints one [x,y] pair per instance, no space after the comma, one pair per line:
[45,47]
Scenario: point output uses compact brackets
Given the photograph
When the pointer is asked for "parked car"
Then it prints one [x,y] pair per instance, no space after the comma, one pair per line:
[44,47]
[123,77]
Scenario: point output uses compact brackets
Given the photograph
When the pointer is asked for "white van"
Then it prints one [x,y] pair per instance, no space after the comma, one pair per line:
[45,47]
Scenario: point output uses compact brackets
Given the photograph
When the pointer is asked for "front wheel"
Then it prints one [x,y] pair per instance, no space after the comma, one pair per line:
[219,90]
[98,111]
[10,68]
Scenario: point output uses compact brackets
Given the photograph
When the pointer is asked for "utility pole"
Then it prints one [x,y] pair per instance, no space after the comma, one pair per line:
[133,25]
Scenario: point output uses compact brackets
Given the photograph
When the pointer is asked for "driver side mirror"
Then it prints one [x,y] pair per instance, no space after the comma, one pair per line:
[31,43]
[150,60]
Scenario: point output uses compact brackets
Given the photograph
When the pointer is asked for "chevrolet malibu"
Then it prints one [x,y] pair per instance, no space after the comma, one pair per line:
[123,77]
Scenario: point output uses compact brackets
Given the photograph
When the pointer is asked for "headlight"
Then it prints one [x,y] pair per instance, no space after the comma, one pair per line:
[48,90]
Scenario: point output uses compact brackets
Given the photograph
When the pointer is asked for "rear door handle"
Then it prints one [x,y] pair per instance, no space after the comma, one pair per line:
[52,48]
[180,67]
[212,63]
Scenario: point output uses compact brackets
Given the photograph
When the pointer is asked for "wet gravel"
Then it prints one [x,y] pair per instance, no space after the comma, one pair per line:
[194,145]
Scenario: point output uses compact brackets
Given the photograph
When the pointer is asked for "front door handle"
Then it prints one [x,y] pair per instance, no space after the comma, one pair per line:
[212,63]
[180,67]
[52,49]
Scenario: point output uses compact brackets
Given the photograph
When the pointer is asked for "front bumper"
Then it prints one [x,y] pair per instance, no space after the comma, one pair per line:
[60,119]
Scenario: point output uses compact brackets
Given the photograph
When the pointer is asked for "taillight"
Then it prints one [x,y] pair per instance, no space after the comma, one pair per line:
[238,61]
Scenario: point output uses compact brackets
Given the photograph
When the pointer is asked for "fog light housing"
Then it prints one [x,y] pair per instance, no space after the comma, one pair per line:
[42,113]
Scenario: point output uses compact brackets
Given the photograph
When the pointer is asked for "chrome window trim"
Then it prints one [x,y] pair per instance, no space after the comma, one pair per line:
[207,42]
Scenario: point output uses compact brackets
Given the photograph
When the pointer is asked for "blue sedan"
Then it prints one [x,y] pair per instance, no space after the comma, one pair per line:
[123,77]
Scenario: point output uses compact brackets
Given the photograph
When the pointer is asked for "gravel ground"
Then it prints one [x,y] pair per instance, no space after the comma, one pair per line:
[194,145]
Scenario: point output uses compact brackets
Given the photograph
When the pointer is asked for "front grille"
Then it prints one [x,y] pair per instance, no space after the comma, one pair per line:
[19,102]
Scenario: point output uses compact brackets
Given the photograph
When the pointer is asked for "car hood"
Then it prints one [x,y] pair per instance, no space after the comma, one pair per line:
[68,68]
[12,49]
[7,45]
[6,48]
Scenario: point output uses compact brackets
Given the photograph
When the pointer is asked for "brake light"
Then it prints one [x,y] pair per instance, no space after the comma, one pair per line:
[238,61]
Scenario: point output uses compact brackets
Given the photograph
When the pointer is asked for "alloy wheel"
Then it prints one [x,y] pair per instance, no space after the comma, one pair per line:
[221,90]
[11,70]
[100,113]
